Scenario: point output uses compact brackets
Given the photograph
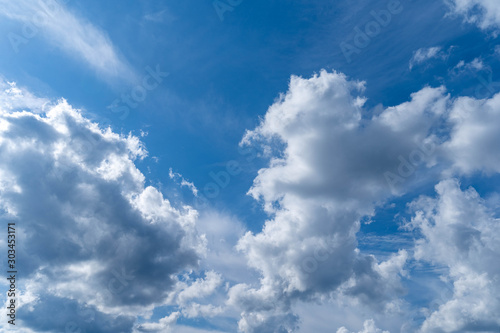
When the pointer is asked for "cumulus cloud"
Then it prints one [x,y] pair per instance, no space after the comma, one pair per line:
[331,163]
[327,170]
[74,35]
[461,233]
[96,243]
[196,290]
[88,222]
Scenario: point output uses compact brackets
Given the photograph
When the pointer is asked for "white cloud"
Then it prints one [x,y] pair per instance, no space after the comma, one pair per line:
[162,16]
[484,13]
[183,182]
[326,172]
[185,296]
[461,233]
[72,34]
[197,290]
[13,97]
[189,329]
[329,175]
[201,287]
[165,324]
[368,327]
[342,312]
[328,163]
[475,65]
[473,145]
[222,232]
[424,54]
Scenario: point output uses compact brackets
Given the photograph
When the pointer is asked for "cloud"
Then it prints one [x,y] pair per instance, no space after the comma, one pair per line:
[13,97]
[473,145]
[189,329]
[368,327]
[89,223]
[327,170]
[162,16]
[424,54]
[222,232]
[346,313]
[473,66]
[164,324]
[484,13]
[461,232]
[72,34]
[98,246]
[199,289]
[183,182]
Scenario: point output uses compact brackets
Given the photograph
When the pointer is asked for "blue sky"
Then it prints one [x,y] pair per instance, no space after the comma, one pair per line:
[245,138]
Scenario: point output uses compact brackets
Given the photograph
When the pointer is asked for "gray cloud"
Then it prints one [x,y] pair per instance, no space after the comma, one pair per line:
[92,235]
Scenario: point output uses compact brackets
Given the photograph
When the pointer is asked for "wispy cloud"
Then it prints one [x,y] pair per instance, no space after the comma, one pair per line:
[424,54]
[162,16]
[178,177]
[72,34]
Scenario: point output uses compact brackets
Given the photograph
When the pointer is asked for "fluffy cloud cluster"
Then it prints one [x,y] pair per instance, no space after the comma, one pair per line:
[96,247]
[461,233]
[100,247]
[331,163]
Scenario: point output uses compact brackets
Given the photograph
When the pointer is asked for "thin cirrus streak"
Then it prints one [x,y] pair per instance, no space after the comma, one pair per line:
[72,34]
